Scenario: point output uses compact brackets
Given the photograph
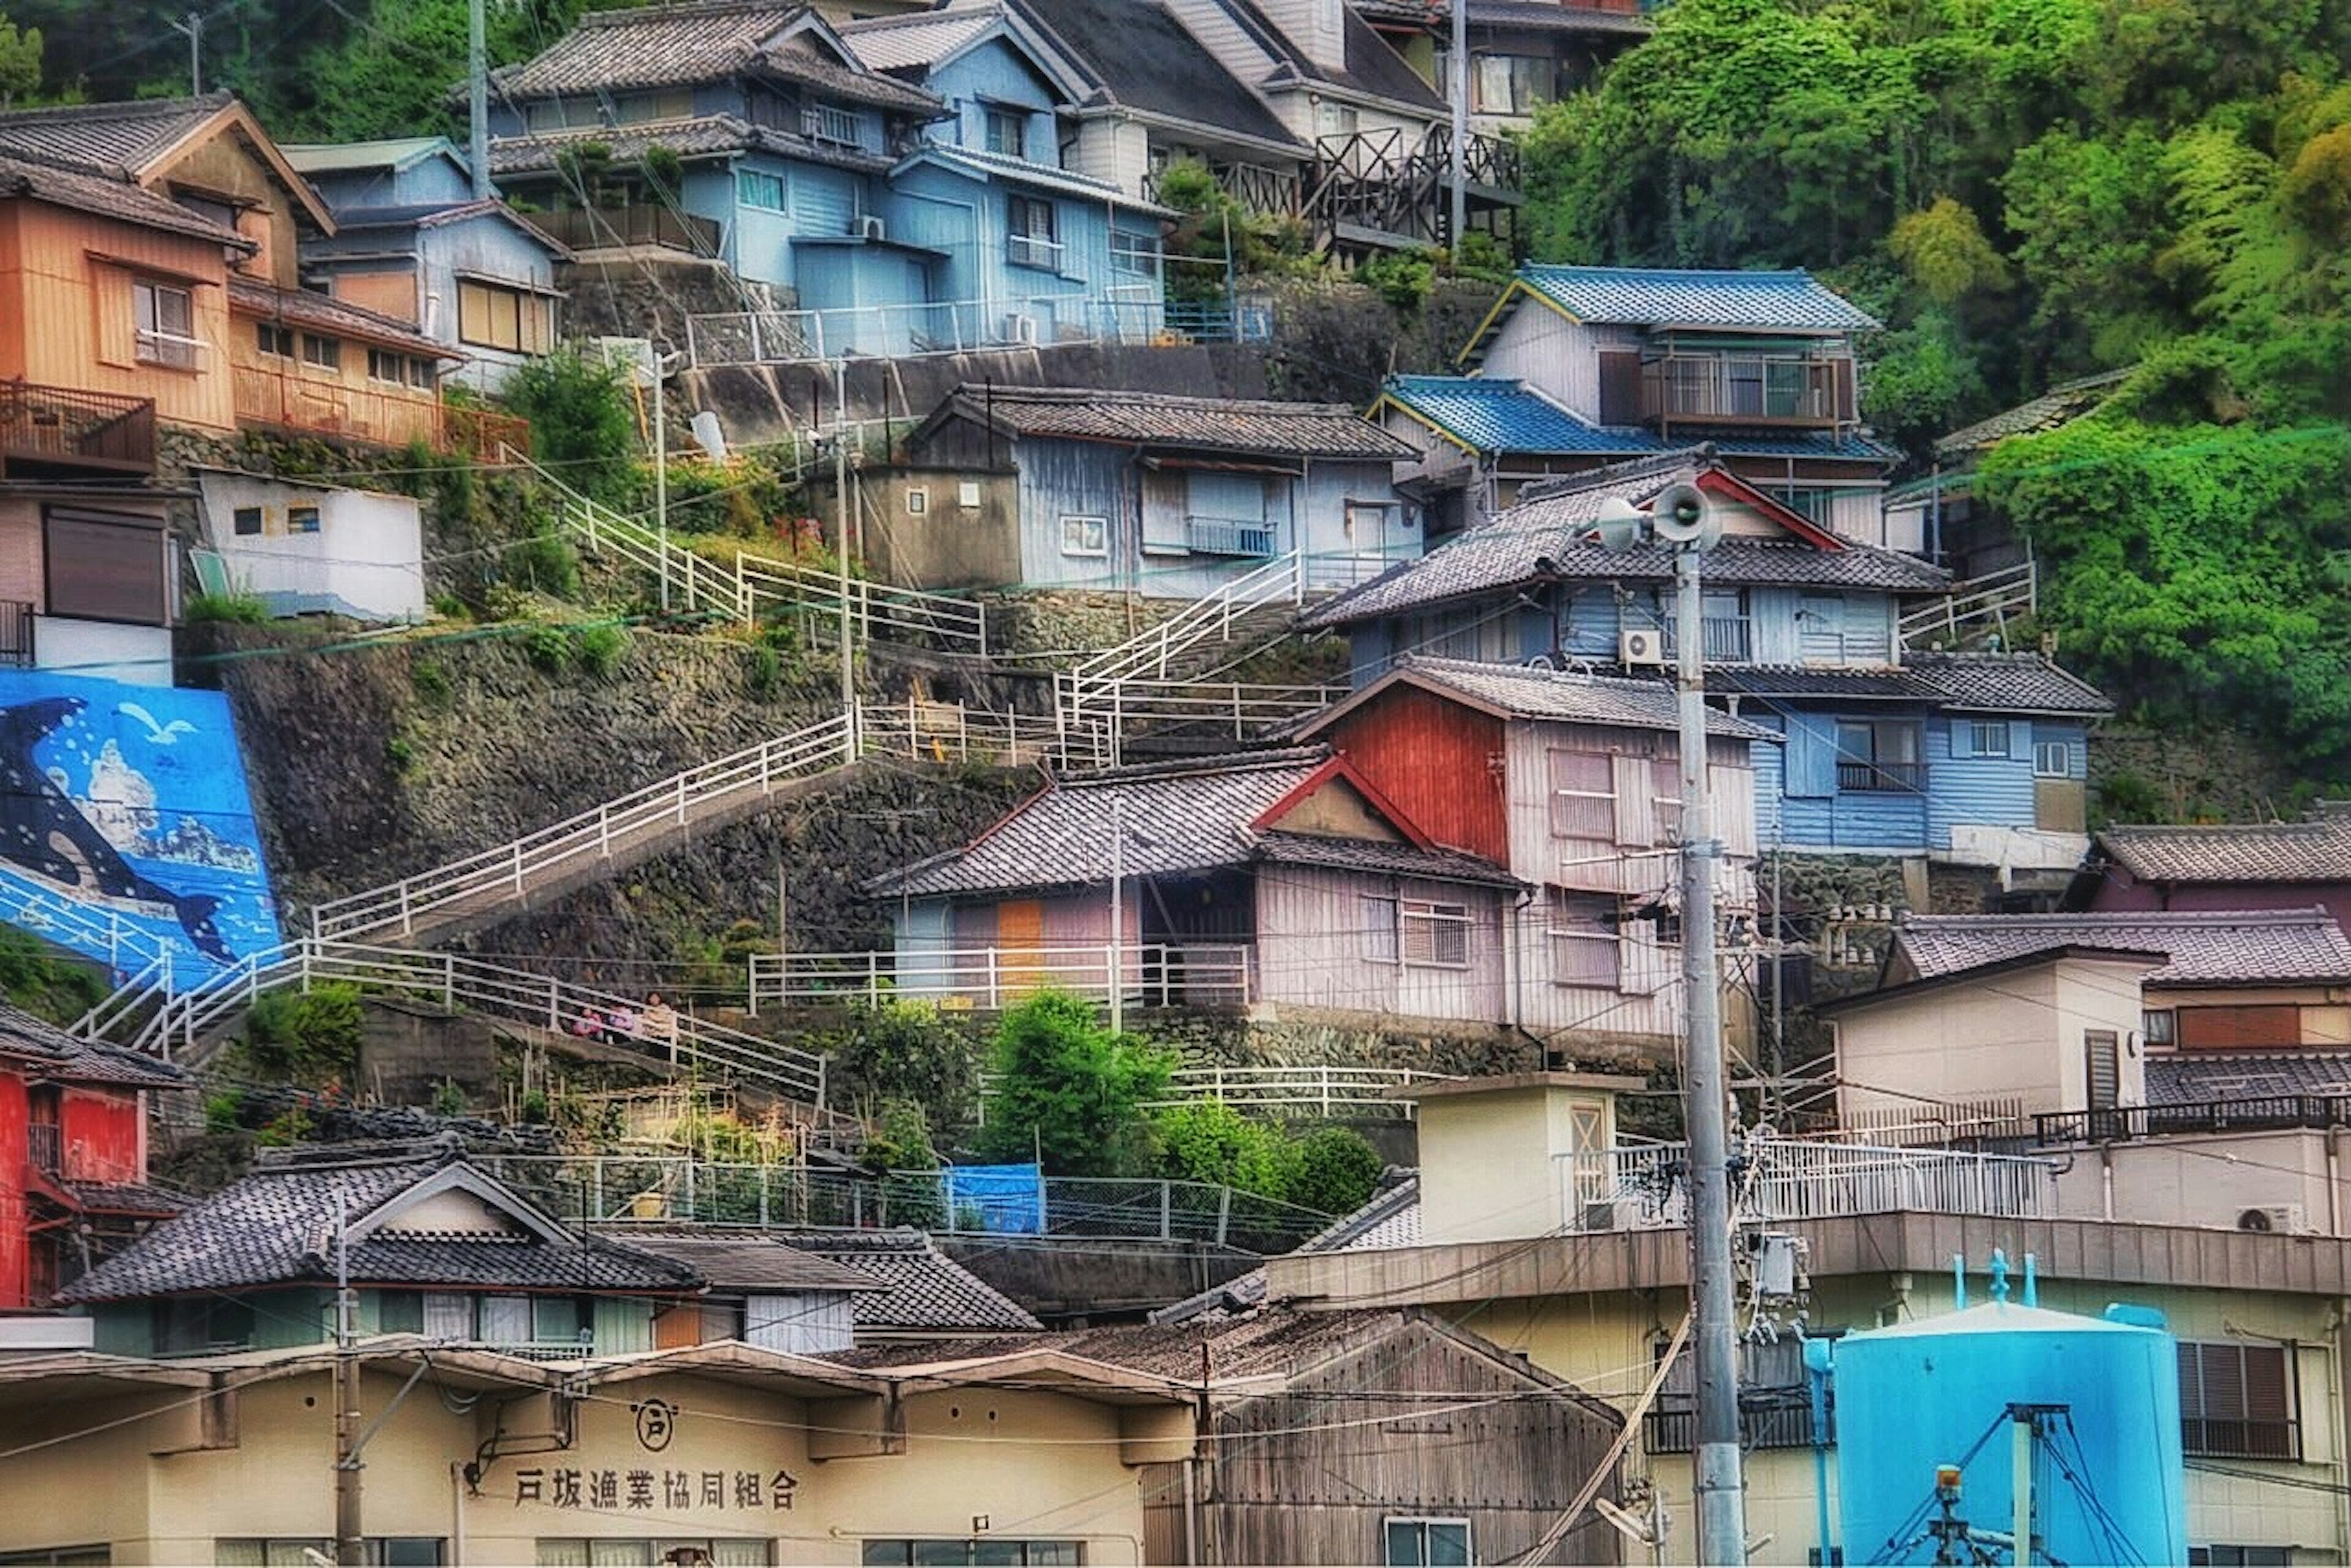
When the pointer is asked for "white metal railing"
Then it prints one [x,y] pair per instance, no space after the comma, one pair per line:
[1980,604]
[1645,1187]
[1131,313]
[838,127]
[1228,536]
[87,928]
[473,985]
[754,582]
[1153,974]
[1244,710]
[1322,1091]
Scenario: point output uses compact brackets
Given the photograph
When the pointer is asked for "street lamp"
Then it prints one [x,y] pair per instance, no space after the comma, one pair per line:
[1683,519]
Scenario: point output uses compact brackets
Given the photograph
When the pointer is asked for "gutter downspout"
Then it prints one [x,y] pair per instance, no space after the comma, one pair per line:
[456,1515]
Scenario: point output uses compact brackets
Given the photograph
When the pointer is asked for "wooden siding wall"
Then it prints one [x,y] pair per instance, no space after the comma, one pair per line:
[65,309]
[102,1136]
[224,165]
[15,1259]
[1537,854]
[1437,761]
[1961,791]
[1313,1474]
[1557,356]
[1784,626]
[1312,935]
[807,1325]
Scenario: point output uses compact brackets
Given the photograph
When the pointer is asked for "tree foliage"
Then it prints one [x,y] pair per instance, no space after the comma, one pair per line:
[1071,1090]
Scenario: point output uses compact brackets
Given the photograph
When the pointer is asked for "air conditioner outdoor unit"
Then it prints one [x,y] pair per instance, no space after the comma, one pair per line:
[2283,1219]
[1020,328]
[871,227]
[1640,648]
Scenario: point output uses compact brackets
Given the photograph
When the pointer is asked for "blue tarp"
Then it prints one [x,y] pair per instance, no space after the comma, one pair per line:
[1006,1200]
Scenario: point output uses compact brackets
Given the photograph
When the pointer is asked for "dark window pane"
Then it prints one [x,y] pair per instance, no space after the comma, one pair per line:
[105,567]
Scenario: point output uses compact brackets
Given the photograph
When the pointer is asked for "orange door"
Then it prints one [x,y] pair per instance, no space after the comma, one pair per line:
[1019,944]
[678,1326]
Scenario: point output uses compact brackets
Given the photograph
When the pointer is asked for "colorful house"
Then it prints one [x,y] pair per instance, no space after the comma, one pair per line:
[413,243]
[1976,759]
[2139,867]
[73,1155]
[1579,367]
[1521,56]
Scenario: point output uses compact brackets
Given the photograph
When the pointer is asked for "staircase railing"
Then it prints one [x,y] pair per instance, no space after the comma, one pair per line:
[876,609]
[1980,605]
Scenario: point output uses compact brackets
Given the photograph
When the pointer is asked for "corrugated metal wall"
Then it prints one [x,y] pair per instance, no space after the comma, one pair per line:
[1314,929]
[1435,759]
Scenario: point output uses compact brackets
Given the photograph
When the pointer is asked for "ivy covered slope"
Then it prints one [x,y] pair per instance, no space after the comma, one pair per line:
[2027,191]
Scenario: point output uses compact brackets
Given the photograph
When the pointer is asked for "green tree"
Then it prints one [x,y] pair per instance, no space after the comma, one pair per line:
[1334,1171]
[902,1052]
[1071,1090]
[1208,1140]
[582,423]
[20,62]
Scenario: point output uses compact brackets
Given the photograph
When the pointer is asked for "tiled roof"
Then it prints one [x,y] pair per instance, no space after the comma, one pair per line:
[916,43]
[1979,683]
[1147,60]
[309,308]
[684,44]
[1262,1345]
[108,195]
[923,1289]
[127,1197]
[2229,947]
[1656,296]
[2060,405]
[1194,424]
[2176,1078]
[276,1226]
[702,137]
[1389,1218]
[1544,538]
[68,1058]
[117,139]
[1524,693]
[1379,859]
[2318,850]
[1510,416]
[748,1261]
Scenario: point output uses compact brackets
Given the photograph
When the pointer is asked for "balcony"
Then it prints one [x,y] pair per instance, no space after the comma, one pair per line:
[1782,391]
[52,430]
[832,127]
[630,226]
[1728,639]
[1881,777]
[1228,536]
[45,1148]
[1646,1186]
[2257,1113]
[286,400]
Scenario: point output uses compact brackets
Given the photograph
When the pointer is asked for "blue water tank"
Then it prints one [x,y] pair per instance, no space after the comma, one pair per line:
[2108,1474]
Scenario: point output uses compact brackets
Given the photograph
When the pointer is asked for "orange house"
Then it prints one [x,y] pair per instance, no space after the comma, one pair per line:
[214,327]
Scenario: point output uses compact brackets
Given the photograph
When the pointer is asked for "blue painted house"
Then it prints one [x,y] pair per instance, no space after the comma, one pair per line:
[1975,758]
[411,241]
[1577,366]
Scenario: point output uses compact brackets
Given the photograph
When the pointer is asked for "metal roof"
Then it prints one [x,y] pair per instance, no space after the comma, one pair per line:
[395,152]
[2318,850]
[1142,59]
[1041,176]
[1978,683]
[1658,297]
[1193,423]
[2226,948]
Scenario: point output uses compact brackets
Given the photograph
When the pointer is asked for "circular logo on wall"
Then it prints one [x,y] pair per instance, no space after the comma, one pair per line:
[656,1424]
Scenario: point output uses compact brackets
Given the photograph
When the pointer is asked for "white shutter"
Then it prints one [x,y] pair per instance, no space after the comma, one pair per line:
[505,1319]
[1636,811]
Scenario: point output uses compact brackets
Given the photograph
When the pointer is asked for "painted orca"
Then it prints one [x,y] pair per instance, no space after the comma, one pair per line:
[43,831]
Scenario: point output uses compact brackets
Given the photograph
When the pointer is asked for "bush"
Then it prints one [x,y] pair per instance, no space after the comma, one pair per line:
[234,608]
[1071,1090]
[767,671]
[899,1054]
[43,983]
[225,1112]
[545,563]
[430,681]
[583,423]
[548,648]
[1334,1170]
[448,1100]
[302,1036]
[1208,1140]
[601,649]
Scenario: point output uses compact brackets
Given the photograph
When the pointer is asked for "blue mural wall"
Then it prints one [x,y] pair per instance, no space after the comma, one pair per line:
[129,804]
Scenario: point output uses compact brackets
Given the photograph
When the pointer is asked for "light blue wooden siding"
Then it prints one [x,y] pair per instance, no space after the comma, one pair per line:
[1370,646]
[1976,792]
[477,247]
[995,74]
[1798,805]
[756,241]
[824,201]
[1770,762]
[1077,479]
[921,934]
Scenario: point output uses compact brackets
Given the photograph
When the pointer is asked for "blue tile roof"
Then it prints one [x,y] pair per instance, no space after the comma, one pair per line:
[1649,297]
[1510,416]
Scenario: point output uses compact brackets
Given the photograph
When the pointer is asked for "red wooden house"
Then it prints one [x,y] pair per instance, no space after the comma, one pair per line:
[73,1155]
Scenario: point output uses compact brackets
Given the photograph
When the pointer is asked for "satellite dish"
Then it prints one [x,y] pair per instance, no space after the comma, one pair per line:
[1683,515]
[708,433]
[1618,525]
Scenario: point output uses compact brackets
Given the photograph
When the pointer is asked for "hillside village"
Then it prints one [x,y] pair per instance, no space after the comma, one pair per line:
[996,784]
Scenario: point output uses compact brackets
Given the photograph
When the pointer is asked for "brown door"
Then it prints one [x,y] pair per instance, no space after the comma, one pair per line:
[1019,944]
[677,1325]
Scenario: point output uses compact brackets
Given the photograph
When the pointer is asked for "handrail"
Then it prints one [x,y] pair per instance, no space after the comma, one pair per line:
[1155,974]
[1646,1188]
[1992,599]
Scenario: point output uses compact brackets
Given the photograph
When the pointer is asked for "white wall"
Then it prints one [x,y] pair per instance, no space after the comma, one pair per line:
[103,650]
[367,560]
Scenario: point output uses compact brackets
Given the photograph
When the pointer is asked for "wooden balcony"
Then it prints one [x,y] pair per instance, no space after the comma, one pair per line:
[47,430]
[1788,392]
[633,225]
[380,416]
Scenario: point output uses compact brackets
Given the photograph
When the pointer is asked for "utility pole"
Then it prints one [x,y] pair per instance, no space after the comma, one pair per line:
[351,1541]
[661,463]
[1117,914]
[1461,97]
[191,26]
[477,97]
[840,510]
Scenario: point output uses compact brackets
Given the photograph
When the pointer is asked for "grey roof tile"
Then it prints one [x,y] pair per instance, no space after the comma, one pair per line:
[2318,850]
[923,1289]
[1524,693]
[2224,948]
[1969,683]
[1379,859]
[697,42]
[1197,423]
[1389,1218]
[1262,1345]
[2177,1078]
[309,308]
[2061,404]
[750,1260]
[1144,59]
[108,195]
[70,1058]
[916,42]
[127,1197]
[117,139]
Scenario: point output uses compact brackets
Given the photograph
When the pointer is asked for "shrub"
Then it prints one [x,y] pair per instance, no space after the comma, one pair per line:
[448,1100]
[545,563]
[223,1111]
[1333,1170]
[901,1140]
[306,1035]
[430,681]
[1072,1089]
[601,649]
[534,1107]
[905,1054]
[583,423]
[547,647]
[767,671]
[1208,1140]
[234,609]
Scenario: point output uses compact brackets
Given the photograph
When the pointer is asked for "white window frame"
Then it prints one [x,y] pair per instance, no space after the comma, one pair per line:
[321,352]
[1009,118]
[1097,527]
[2159,1028]
[747,181]
[918,501]
[152,343]
[1422,1522]
[1979,731]
[1378,940]
[2064,752]
[1445,923]
[1551,767]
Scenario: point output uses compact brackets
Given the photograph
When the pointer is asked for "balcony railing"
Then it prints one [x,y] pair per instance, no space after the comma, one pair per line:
[1033,250]
[1154,975]
[1882,777]
[2253,1113]
[1228,536]
[44,1148]
[941,327]
[1646,1187]
[631,225]
[289,401]
[836,127]
[1728,639]
[1741,389]
[45,427]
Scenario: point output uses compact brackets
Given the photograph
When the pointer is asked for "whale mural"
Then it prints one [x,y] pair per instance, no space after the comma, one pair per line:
[129,803]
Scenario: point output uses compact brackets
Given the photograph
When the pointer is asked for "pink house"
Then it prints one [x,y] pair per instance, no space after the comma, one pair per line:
[2249,865]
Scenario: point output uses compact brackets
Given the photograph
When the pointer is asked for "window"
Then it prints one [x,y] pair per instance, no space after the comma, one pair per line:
[1813,505]
[327,353]
[1433,935]
[274,339]
[1583,797]
[1008,133]
[1134,255]
[759,188]
[301,519]
[2240,1556]
[918,502]
[2052,759]
[1775,1399]
[1511,84]
[1981,737]
[2157,1024]
[382,1552]
[2237,1401]
[103,566]
[163,325]
[2103,1068]
[386,366]
[1085,536]
[420,372]
[198,1325]
[503,1319]
[246,520]
[605,1551]
[1582,944]
[492,317]
[1029,222]
[972,1554]
[96,1556]
[1425,1542]
[1376,929]
[400,1311]
[1881,754]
